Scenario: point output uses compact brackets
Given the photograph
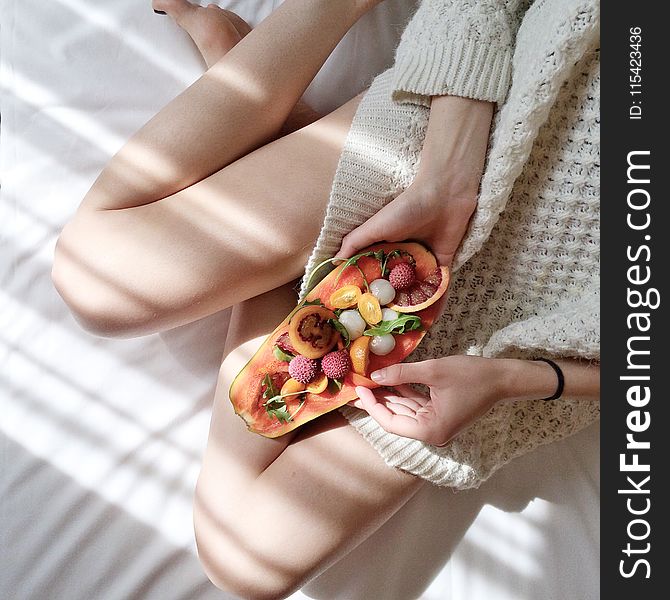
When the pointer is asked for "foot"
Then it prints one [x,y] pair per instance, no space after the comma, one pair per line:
[213,29]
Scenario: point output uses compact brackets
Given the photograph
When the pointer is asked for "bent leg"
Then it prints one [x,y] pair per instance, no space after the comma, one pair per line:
[168,233]
[239,232]
[271,514]
[239,104]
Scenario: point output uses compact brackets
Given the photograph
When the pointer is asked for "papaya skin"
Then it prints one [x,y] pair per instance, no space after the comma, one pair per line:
[245,390]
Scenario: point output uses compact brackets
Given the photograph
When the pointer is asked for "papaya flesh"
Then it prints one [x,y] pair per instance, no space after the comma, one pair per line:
[248,388]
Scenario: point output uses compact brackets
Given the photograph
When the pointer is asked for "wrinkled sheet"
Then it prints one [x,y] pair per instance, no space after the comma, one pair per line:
[101,439]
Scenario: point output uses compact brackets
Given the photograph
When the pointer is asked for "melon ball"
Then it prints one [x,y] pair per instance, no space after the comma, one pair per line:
[353,323]
[383,291]
[382,344]
[388,314]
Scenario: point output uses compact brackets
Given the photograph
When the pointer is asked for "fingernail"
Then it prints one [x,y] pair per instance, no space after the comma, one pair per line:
[378,376]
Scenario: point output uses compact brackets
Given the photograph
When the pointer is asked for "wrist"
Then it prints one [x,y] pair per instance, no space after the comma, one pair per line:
[525,379]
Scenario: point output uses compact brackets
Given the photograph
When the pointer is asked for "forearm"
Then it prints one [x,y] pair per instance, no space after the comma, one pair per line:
[237,105]
[534,380]
[455,145]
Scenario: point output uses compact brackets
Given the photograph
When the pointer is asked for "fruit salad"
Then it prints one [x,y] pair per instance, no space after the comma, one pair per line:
[370,312]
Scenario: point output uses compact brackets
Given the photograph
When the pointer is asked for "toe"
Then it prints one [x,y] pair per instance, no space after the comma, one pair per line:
[174,8]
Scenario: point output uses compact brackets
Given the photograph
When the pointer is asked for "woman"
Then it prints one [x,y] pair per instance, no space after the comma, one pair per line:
[218,200]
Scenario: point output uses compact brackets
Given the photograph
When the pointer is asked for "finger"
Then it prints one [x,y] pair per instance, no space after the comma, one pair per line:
[393,423]
[391,397]
[419,372]
[388,395]
[384,225]
[408,392]
[398,408]
[408,402]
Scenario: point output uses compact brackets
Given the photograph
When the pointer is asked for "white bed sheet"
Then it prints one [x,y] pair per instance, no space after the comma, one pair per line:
[101,439]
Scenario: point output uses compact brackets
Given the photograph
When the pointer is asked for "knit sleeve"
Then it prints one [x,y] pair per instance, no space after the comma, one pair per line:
[570,329]
[457,47]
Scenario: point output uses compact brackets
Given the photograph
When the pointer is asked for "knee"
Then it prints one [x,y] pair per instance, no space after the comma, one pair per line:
[251,585]
[97,303]
[237,558]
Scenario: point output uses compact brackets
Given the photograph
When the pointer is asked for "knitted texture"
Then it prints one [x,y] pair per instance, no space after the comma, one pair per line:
[526,275]
[457,47]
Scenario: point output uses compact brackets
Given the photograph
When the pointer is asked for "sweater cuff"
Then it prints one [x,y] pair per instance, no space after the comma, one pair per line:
[473,69]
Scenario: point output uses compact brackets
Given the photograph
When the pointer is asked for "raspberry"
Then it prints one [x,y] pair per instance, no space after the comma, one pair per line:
[303,369]
[336,365]
[402,276]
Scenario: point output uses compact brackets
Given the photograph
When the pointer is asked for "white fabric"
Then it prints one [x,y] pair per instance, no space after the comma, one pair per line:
[101,439]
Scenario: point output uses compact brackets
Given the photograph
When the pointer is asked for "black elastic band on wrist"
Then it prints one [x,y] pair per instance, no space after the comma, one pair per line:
[561,379]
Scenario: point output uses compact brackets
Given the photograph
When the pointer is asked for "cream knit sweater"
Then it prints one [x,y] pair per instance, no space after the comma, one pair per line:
[526,276]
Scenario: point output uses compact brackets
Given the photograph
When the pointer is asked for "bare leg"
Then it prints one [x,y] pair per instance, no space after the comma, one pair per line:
[240,103]
[158,242]
[270,514]
[246,229]
[215,31]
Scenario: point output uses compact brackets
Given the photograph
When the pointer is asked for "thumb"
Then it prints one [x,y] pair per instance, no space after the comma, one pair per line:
[383,225]
[419,372]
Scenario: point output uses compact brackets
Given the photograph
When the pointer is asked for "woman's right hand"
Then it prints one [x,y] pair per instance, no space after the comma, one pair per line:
[462,389]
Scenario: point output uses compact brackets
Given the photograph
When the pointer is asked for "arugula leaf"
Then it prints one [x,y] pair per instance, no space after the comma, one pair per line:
[270,389]
[402,324]
[315,302]
[389,256]
[276,406]
[308,285]
[353,261]
[281,413]
[342,329]
[355,258]
[281,355]
[335,385]
[365,279]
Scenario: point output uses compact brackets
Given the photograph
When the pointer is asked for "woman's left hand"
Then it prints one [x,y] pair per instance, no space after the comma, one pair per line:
[437,207]
[462,389]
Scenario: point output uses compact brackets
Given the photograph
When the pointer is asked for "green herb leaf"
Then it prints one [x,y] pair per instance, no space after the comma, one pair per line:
[352,261]
[308,285]
[270,389]
[276,406]
[335,385]
[388,257]
[402,324]
[365,279]
[281,355]
[280,413]
[342,329]
[315,302]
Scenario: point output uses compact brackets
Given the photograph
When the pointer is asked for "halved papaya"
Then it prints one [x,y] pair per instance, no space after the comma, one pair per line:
[261,380]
